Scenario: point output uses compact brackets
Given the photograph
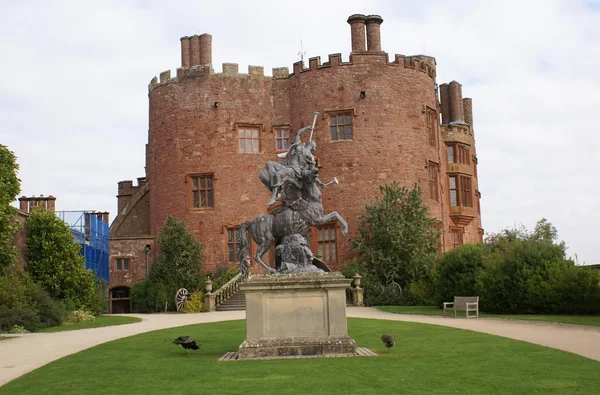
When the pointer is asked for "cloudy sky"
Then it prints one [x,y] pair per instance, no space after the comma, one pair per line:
[74,76]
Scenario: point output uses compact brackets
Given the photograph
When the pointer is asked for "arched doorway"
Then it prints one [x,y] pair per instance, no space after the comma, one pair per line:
[119,300]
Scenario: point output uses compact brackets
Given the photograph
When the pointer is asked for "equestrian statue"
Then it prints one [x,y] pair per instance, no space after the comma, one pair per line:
[296,182]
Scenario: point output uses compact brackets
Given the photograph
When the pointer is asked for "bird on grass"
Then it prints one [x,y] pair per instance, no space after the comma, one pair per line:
[388,340]
[187,342]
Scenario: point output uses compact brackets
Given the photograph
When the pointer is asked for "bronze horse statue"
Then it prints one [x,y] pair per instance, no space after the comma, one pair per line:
[301,209]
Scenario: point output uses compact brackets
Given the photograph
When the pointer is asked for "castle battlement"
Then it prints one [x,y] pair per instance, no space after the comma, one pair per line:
[420,63]
[196,56]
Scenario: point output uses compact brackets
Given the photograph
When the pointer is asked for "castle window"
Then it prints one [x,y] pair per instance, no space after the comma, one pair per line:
[282,139]
[327,243]
[461,192]
[232,245]
[458,153]
[122,264]
[434,175]
[248,139]
[202,191]
[431,122]
[341,126]
[457,236]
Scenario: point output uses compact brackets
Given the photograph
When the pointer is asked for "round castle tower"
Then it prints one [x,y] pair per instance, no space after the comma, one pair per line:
[210,133]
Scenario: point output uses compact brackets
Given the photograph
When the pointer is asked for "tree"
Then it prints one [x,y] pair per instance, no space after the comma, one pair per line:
[397,239]
[10,186]
[179,266]
[527,272]
[54,261]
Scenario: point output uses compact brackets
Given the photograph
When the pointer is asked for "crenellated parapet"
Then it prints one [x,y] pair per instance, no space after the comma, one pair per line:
[196,57]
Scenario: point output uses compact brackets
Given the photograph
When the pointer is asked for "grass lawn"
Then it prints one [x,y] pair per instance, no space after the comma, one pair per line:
[103,320]
[427,359]
[593,320]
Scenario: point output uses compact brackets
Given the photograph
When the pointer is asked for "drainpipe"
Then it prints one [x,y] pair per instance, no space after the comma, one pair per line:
[148,249]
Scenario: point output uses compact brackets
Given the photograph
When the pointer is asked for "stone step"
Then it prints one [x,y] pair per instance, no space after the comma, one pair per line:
[230,308]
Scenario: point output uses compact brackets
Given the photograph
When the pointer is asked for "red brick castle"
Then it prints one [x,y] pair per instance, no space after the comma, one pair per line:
[210,133]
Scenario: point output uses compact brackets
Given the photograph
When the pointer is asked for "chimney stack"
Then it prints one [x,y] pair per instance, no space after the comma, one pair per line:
[194,50]
[357,32]
[456,103]
[468,111]
[185,52]
[373,23]
[205,50]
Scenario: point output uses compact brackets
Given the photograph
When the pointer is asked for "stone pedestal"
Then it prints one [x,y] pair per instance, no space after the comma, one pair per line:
[296,314]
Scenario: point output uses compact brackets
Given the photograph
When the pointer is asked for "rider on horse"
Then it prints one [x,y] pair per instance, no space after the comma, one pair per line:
[299,161]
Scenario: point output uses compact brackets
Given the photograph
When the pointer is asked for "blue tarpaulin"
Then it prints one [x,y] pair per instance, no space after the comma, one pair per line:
[92,234]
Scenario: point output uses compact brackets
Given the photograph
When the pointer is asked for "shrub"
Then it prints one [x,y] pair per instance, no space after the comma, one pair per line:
[26,304]
[224,277]
[458,272]
[517,271]
[77,316]
[195,304]
[18,329]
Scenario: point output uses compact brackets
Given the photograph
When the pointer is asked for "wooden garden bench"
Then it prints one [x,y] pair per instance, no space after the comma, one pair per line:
[463,303]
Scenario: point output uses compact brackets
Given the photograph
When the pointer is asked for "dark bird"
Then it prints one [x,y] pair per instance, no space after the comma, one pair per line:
[388,340]
[187,342]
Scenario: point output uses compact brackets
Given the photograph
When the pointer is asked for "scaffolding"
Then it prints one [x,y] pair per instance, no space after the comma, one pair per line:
[91,232]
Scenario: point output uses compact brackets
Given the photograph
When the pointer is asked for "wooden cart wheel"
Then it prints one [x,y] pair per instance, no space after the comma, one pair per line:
[181,296]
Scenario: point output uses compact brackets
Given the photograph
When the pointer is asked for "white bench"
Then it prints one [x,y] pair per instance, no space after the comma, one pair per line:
[463,303]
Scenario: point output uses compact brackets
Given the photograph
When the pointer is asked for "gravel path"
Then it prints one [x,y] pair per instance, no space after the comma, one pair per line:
[28,352]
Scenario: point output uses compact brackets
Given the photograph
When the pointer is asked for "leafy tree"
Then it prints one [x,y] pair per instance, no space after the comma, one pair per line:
[10,186]
[527,272]
[54,261]
[397,240]
[179,266]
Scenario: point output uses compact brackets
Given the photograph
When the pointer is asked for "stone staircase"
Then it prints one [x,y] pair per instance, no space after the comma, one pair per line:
[237,301]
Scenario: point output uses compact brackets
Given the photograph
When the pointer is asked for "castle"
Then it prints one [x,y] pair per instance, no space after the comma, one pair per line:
[210,133]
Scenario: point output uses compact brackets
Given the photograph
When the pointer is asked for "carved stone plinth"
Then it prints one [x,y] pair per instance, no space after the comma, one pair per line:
[296,314]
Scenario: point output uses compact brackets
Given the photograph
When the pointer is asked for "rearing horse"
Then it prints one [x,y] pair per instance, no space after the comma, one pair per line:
[295,217]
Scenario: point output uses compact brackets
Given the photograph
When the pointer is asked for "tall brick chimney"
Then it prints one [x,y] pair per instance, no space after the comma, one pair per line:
[357,32]
[445,102]
[194,50]
[456,102]
[468,110]
[373,23]
[205,50]
[185,52]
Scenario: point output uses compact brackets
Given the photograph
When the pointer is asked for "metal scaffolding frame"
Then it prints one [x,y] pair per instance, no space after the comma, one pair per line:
[92,234]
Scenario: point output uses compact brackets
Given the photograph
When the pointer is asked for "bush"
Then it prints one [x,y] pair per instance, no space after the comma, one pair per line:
[517,271]
[458,272]
[26,304]
[18,329]
[195,304]
[77,316]
[224,276]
